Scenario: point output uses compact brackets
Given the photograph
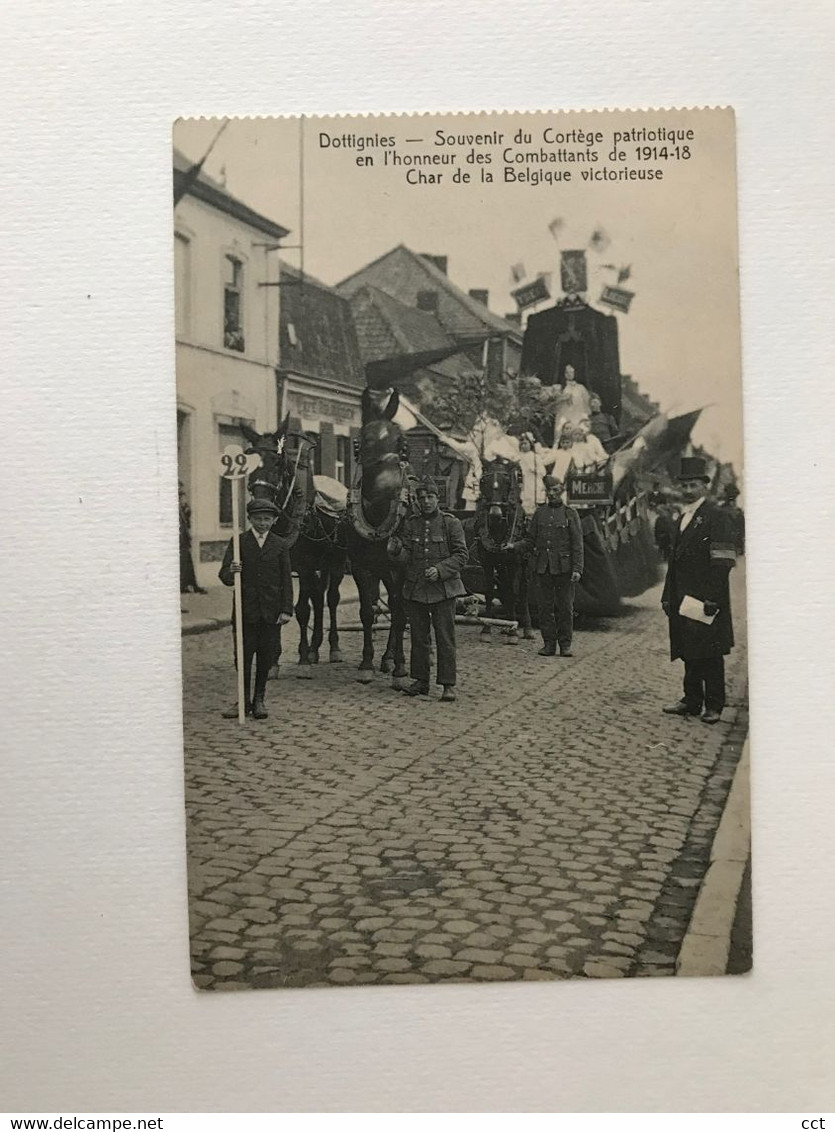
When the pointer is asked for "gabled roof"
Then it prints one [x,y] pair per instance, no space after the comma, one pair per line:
[401,341]
[386,326]
[323,341]
[205,188]
[401,272]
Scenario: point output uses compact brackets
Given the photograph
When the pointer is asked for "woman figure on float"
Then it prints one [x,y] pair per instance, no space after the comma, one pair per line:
[574,404]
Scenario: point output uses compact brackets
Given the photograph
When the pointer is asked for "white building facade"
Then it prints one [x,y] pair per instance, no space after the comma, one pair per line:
[227,335]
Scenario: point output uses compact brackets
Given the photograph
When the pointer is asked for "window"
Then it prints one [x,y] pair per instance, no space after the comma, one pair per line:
[233,327]
[228,434]
[427,301]
[342,466]
[315,451]
[182,284]
[494,359]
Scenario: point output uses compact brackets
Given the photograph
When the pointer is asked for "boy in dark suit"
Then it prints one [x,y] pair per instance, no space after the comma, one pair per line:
[701,557]
[266,600]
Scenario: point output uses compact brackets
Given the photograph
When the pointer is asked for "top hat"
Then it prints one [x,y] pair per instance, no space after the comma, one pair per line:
[256,505]
[427,485]
[552,481]
[693,468]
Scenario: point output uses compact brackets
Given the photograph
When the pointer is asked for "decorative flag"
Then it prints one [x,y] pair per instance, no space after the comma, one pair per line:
[599,241]
[573,274]
[556,226]
[617,298]
[183,182]
[624,273]
[517,272]
[532,293]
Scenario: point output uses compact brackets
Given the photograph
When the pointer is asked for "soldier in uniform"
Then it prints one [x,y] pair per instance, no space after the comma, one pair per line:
[555,542]
[266,599]
[433,547]
[701,558]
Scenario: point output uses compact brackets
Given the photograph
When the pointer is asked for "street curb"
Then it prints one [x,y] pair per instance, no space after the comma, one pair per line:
[205,625]
[707,941]
[208,624]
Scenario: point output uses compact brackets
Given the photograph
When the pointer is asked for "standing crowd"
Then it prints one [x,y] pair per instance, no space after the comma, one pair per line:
[700,545]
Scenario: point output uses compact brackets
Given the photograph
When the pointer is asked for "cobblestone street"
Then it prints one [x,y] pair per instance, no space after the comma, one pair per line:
[551,823]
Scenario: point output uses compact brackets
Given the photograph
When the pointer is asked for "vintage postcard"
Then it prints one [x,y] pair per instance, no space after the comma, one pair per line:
[462,547]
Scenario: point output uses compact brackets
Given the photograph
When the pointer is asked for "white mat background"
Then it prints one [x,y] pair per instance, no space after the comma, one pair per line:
[99,1011]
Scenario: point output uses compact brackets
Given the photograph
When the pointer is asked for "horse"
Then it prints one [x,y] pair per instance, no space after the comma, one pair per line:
[500,520]
[319,559]
[275,480]
[377,503]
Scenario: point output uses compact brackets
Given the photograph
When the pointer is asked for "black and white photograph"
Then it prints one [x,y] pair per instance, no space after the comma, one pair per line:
[462,548]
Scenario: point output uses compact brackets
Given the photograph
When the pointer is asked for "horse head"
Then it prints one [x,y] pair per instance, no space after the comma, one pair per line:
[498,486]
[274,473]
[382,454]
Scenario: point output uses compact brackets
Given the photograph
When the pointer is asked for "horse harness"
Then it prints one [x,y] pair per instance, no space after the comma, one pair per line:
[397,508]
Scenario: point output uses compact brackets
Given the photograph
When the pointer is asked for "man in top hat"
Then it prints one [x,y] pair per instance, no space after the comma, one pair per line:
[266,599]
[555,542]
[433,546]
[701,557]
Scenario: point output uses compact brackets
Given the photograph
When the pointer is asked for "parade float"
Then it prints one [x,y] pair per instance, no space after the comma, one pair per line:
[572,345]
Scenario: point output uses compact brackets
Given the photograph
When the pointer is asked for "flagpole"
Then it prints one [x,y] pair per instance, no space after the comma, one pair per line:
[239,628]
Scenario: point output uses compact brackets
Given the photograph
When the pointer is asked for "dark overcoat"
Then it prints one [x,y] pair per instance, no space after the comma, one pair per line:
[701,558]
[266,581]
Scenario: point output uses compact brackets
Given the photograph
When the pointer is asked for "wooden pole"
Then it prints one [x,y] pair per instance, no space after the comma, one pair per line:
[239,628]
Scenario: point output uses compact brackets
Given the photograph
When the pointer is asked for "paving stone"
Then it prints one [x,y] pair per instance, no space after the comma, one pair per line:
[374,923]
[226,952]
[517,958]
[460,927]
[630,939]
[493,972]
[396,950]
[432,951]
[444,967]
[227,968]
[343,975]
[478,955]
[599,970]
[617,948]
[393,964]
[558,915]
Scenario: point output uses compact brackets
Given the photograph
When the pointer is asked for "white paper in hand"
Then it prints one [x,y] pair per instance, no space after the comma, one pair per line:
[694,610]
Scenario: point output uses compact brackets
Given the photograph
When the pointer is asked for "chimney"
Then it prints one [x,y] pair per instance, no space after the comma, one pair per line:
[439,261]
[480,296]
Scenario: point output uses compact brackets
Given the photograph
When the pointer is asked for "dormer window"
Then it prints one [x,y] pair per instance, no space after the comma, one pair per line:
[233,329]
[427,301]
